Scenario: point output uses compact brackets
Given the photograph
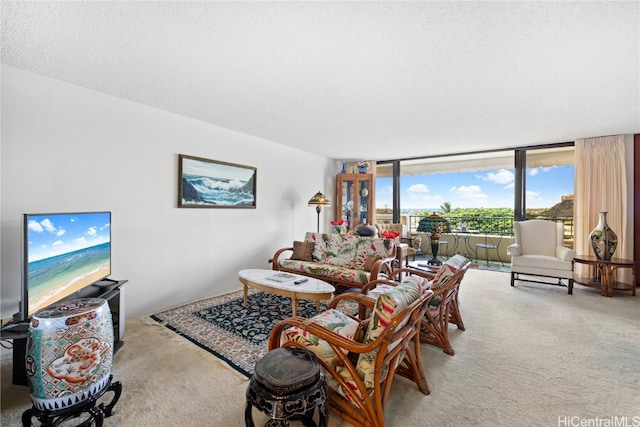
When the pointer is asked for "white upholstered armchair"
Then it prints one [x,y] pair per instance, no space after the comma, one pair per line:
[538,251]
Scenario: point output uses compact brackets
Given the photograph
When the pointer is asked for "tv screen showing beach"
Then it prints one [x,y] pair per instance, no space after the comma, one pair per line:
[65,253]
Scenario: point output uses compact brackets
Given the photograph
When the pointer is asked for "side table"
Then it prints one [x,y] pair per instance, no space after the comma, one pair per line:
[602,274]
[288,384]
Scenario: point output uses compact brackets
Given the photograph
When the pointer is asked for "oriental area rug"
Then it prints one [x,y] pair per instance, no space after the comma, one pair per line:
[223,326]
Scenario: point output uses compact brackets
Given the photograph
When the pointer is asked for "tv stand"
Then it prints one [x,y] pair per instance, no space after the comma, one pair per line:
[108,289]
[105,283]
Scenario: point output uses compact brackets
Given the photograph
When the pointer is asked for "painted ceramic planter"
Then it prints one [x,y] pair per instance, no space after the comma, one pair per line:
[69,353]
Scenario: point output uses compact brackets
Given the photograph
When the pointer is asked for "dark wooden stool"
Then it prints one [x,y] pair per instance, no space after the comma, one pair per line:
[288,384]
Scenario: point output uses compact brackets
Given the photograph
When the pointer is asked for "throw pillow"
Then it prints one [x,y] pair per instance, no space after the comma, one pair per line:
[303,250]
[366,230]
[371,259]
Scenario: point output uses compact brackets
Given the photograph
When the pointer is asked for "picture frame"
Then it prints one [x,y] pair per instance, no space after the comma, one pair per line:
[205,183]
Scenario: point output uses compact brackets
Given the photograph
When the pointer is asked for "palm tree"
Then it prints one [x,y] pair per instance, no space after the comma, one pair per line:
[446,208]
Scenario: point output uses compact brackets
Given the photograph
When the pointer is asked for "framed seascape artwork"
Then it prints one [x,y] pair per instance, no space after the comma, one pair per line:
[204,183]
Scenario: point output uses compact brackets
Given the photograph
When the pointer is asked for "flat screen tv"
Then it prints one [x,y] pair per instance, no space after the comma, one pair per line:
[63,253]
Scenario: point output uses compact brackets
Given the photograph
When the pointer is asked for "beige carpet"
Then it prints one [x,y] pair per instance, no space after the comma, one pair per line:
[531,356]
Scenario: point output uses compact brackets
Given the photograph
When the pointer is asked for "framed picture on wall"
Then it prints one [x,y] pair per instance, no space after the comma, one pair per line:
[204,183]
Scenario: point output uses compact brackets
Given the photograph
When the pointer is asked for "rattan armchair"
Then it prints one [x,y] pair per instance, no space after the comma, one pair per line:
[360,374]
[444,307]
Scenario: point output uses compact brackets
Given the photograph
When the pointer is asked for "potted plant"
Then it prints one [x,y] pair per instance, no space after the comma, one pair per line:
[363,166]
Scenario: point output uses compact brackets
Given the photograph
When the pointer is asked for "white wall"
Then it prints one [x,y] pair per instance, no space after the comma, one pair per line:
[65,148]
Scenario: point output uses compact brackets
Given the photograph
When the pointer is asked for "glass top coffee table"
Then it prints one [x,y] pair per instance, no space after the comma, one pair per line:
[284,283]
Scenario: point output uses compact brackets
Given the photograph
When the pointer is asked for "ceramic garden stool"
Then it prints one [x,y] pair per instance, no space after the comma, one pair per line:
[288,384]
[68,362]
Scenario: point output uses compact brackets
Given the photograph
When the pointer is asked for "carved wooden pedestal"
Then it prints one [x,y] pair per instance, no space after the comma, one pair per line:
[288,384]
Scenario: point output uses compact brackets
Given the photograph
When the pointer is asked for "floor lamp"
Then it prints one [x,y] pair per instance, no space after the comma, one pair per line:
[318,201]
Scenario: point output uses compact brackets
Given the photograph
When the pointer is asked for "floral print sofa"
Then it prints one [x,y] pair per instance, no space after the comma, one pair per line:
[342,260]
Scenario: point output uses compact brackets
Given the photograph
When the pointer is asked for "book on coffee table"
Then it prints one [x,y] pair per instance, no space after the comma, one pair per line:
[281,277]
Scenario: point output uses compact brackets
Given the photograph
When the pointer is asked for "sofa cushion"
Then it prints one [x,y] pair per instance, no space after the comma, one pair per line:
[366,246]
[333,249]
[339,323]
[543,262]
[447,270]
[327,271]
[371,259]
[303,251]
[544,246]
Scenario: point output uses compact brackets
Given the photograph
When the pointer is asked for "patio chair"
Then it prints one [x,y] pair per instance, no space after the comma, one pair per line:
[360,370]
[489,243]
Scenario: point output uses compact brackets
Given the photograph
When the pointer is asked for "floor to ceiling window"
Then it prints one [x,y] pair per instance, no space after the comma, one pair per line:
[489,190]
[549,185]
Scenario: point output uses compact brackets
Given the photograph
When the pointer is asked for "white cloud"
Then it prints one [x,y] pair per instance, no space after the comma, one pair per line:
[48,225]
[91,231]
[501,176]
[419,196]
[35,226]
[418,188]
[472,193]
[58,243]
[533,171]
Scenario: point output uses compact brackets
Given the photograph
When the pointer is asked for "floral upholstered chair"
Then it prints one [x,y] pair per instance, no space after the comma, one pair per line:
[444,307]
[362,355]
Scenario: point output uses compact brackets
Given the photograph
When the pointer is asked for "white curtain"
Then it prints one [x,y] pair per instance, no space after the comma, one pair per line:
[601,186]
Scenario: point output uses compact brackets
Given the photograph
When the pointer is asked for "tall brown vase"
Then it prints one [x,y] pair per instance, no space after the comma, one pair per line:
[603,239]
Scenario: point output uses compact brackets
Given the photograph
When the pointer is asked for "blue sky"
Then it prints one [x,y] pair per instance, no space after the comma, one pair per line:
[480,189]
[51,235]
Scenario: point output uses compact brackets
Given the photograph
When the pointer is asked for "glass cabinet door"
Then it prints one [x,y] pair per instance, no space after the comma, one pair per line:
[347,205]
[363,204]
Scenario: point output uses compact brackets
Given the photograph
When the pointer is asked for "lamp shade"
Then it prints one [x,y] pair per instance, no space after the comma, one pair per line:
[319,199]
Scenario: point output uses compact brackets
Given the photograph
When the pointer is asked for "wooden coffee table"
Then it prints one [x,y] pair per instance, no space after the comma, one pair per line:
[312,289]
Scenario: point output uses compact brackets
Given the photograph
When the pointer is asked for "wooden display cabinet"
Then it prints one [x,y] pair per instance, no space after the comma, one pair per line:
[354,202]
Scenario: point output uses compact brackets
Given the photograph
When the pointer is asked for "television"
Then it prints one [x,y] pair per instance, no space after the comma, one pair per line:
[63,253]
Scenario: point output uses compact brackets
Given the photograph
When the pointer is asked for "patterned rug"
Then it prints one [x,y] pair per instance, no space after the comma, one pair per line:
[226,328]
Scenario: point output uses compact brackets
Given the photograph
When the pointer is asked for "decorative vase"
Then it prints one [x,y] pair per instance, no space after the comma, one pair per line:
[69,353]
[344,168]
[362,169]
[603,239]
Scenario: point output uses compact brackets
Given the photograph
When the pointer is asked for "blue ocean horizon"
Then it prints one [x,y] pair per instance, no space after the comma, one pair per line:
[46,273]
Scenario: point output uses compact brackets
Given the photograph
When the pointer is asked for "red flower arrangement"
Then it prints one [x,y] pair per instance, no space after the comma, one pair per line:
[390,234]
[340,222]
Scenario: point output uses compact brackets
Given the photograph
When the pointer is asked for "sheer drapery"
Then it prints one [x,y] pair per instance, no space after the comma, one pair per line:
[601,186]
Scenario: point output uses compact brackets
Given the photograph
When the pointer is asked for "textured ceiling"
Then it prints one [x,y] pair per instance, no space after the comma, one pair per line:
[352,80]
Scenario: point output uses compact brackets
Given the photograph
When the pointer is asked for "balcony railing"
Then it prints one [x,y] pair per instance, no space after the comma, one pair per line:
[501,226]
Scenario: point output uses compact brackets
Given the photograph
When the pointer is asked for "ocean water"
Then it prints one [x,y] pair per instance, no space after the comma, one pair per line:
[63,274]
[220,191]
